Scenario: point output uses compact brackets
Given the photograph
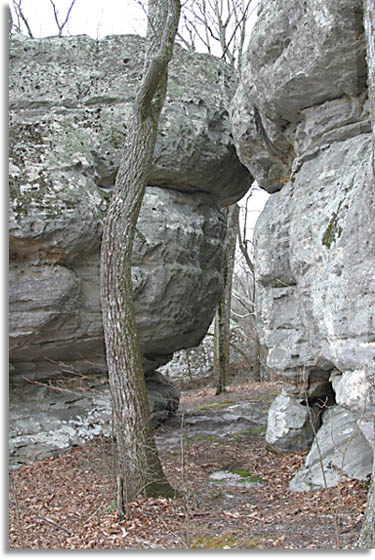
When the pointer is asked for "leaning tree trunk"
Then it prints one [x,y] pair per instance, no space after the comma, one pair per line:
[138,468]
[222,317]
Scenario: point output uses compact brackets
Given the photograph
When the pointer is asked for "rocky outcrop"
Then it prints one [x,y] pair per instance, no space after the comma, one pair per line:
[302,126]
[70,101]
[367,536]
[340,449]
[51,417]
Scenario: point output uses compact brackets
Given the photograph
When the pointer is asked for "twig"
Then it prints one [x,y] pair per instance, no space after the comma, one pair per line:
[91,514]
[53,387]
[43,517]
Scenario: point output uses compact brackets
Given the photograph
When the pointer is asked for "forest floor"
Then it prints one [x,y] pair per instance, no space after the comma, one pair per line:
[68,501]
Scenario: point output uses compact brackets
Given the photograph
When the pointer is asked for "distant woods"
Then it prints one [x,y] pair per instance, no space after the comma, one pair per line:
[219,27]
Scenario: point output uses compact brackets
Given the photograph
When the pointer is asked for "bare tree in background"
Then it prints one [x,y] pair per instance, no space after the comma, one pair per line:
[19,22]
[243,312]
[223,312]
[138,467]
[219,25]
[61,23]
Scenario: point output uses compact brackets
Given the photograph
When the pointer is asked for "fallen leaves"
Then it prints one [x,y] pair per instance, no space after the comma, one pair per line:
[75,491]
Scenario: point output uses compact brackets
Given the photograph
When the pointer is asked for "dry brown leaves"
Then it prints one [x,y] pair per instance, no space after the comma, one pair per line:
[75,491]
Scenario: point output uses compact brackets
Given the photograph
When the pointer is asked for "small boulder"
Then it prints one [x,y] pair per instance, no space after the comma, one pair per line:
[163,397]
[289,426]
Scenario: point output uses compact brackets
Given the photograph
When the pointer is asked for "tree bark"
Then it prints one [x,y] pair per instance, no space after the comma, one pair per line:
[138,468]
[222,317]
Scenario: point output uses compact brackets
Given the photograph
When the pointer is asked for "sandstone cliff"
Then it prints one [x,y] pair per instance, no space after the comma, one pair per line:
[70,99]
[301,123]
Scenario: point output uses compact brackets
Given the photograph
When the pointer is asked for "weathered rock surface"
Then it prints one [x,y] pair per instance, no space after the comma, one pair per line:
[301,124]
[290,425]
[341,450]
[177,280]
[46,419]
[70,101]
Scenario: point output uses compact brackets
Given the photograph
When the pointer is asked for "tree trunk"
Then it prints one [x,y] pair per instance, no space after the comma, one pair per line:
[367,536]
[222,317]
[138,468]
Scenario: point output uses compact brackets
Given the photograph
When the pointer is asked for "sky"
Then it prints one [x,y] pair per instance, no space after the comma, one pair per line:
[96,18]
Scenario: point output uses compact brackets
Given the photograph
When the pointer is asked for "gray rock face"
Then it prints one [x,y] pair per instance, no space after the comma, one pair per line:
[290,424]
[44,420]
[177,280]
[70,101]
[177,269]
[299,56]
[301,124]
[342,451]
[76,129]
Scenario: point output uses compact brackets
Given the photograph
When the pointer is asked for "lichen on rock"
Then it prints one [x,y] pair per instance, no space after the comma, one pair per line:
[70,103]
[301,123]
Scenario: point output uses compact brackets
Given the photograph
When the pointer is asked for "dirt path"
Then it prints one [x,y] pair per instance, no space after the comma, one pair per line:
[235,491]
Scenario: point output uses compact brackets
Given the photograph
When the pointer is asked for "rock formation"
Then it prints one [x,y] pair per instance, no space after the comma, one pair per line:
[70,100]
[301,125]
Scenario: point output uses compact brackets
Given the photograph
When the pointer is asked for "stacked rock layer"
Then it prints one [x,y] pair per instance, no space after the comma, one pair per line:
[70,102]
[301,120]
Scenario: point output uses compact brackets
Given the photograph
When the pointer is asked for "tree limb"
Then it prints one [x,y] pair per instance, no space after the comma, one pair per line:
[20,15]
[55,12]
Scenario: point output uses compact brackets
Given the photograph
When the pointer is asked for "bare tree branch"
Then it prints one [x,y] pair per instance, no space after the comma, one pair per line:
[56,14]
[217,22]
[21,17]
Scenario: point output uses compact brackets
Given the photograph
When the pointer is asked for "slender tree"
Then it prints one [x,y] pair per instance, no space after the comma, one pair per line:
[138,468]
[247,296]
[223,312]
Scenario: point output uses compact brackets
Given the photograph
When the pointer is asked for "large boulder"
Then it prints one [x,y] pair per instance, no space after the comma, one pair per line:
[301,124]
[70,102]
[55,312]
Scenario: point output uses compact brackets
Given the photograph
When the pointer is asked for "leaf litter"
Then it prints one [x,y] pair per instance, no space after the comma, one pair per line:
[68,501]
